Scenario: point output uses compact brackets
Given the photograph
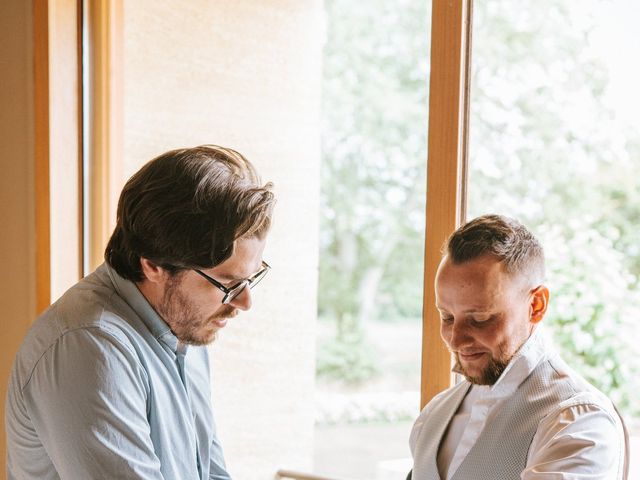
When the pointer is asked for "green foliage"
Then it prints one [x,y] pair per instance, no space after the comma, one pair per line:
[594,311]
[374,151]
[544,148]
[348,358]
[549,153]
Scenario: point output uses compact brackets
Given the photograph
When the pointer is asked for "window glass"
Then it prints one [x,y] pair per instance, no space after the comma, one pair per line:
[555,142]
[373,181]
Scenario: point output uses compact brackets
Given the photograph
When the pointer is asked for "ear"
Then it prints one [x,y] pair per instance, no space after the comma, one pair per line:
[152,272]
[539,304]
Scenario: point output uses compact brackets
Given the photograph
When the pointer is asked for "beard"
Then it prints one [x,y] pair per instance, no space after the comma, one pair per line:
[187,322]
[490,373]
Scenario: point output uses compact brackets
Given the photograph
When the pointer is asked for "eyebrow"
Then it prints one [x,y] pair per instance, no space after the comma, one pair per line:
[234,278]
[471,311]
[230,278]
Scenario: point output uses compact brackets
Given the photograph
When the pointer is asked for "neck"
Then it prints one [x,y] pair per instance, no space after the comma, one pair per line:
[151,292]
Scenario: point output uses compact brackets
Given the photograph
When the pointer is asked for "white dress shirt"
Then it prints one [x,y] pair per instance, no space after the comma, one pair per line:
[575,444]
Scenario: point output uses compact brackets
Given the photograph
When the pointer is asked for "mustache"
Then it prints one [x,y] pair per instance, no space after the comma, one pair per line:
[227,312]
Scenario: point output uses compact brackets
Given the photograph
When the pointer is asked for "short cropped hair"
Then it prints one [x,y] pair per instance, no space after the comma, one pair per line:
[505,238]
[185,209]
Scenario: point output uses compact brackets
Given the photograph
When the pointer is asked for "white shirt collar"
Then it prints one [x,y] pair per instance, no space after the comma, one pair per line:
[526,359]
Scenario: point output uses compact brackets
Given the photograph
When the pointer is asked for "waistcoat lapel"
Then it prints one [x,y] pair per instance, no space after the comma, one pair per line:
[433,430]
[501,451]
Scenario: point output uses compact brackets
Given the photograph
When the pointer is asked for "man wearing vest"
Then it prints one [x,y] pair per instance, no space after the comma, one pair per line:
[520,412]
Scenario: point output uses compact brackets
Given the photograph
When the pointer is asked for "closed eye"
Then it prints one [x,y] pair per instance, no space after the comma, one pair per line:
[482,321]
[447,320]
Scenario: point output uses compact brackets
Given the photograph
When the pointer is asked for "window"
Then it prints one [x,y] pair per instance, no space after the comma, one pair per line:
[373,193]
[555,142]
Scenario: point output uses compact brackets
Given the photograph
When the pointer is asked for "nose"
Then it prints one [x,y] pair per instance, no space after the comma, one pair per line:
[243,300]
[459,335]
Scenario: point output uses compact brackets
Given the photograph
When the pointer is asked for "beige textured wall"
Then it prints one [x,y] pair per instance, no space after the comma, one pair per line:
[17,204]
[245,74]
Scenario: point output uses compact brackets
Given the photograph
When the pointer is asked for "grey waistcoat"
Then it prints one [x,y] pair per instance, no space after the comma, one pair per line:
[502,447]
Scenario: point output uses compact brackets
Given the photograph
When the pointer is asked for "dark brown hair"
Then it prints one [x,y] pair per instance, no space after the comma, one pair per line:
[185,209]
[503,237]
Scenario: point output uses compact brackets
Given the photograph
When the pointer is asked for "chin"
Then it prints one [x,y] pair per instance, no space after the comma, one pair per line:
[209,339]
[474,375]
[212,338]
[200,340]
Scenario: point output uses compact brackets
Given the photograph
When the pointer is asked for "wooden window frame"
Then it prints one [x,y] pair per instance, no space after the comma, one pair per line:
[451,26]
[71,227]
[105,132]
[58,147]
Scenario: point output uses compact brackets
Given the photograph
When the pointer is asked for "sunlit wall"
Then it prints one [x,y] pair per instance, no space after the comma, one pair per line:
[245,75]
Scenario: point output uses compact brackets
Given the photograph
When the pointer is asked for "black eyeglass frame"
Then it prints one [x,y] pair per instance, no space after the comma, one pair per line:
[235,290]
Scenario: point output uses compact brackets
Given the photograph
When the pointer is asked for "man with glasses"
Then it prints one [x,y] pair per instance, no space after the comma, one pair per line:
[519,412]
[112,381]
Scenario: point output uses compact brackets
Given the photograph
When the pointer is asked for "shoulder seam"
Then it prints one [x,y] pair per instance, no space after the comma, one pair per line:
[83,327]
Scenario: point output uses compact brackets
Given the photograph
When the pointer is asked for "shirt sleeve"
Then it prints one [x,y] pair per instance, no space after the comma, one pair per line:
[217,468]
[87,398]
[580,442]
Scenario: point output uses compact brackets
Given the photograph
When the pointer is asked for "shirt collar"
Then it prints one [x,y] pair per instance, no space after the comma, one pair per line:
[137,301]
[526,359]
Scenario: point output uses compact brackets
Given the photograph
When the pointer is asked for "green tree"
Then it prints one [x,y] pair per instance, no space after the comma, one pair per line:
[545,148]
[374,153]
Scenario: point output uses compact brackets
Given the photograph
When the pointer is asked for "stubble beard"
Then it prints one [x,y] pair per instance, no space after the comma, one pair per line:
[186,321]
[489,374]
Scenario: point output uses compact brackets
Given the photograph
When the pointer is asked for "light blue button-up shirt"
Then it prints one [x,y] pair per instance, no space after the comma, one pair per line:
[102,389]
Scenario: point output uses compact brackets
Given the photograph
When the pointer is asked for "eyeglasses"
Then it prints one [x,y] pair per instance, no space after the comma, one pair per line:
[234,291]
